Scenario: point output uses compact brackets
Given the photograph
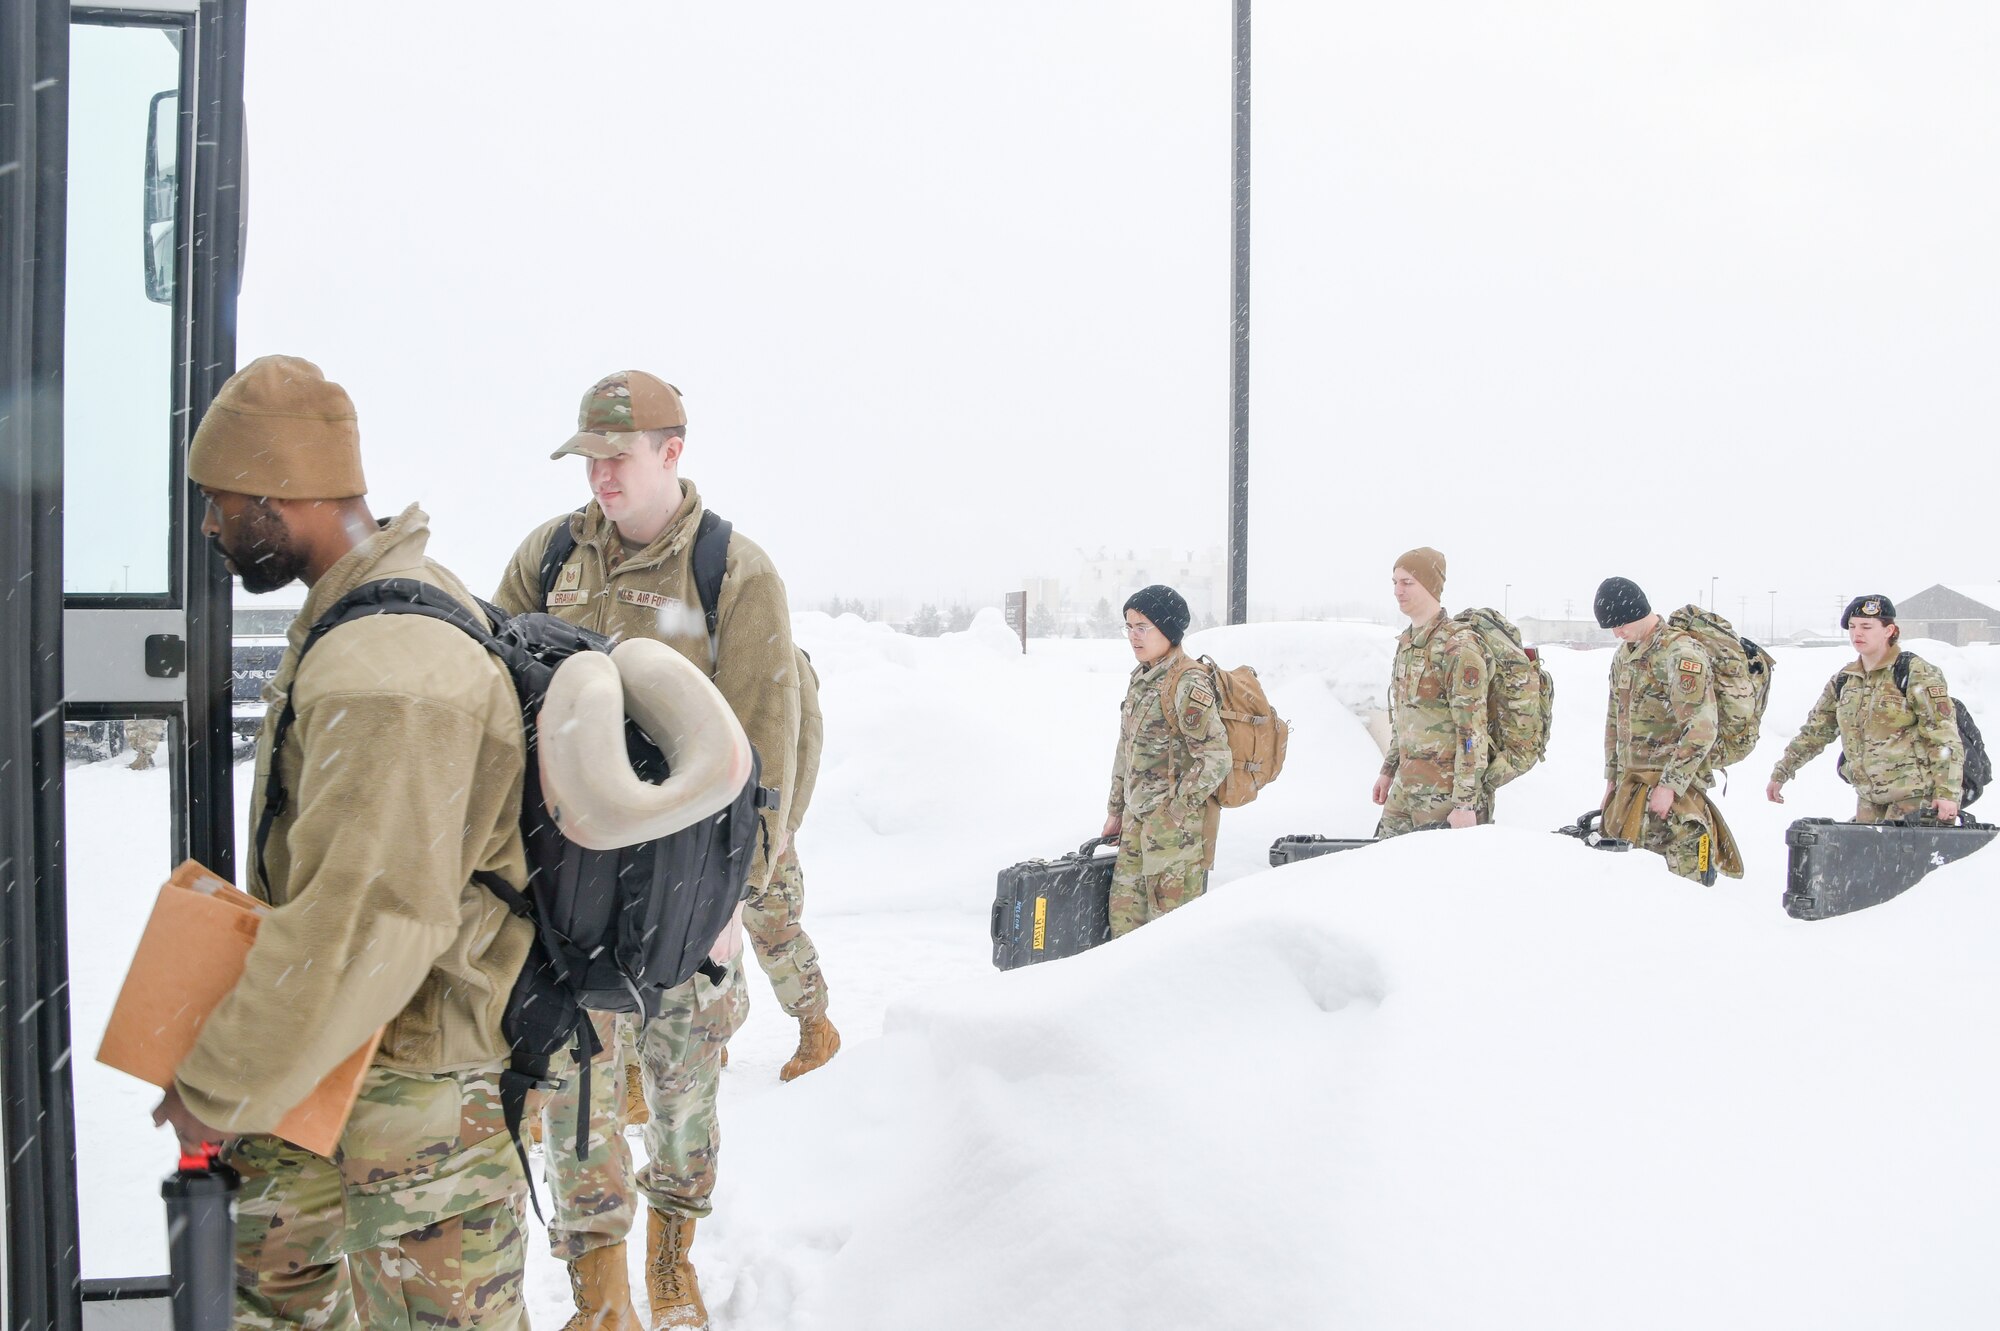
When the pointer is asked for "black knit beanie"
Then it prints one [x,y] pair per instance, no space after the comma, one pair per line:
[1164,606]
[1620,602]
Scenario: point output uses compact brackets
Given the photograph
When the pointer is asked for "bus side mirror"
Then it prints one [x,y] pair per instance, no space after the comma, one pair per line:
[163,139]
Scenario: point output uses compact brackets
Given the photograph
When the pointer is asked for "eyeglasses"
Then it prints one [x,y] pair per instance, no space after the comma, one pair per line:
[1137,630]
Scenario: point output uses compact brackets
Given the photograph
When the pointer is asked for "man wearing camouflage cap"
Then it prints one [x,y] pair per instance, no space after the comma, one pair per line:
[1439,748]
[624,566]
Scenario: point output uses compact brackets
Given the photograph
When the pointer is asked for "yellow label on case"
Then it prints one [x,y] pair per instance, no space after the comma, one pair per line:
[1041,923]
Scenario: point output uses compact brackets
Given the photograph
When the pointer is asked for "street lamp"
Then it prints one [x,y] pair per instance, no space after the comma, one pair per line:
[1711,592]
[1506,597]
[1239,323]
[1774,614]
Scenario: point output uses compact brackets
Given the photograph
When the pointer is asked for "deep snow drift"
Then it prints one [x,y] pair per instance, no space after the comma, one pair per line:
[1478,1079]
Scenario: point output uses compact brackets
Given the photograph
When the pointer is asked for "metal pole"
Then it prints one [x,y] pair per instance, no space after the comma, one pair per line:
[1507,599]
[1774,614]
[1239,351]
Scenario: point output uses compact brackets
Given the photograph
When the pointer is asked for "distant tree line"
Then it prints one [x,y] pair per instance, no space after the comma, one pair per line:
[1104,621]
[868,610]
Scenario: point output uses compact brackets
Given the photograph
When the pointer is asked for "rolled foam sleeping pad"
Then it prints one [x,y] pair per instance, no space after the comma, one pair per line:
[596,798]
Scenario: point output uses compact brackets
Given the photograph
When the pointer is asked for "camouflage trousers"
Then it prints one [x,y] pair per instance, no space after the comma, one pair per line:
[414,1222]
[1414,803]
[1160,866]
[1864,812]
[680,1053]
[772,916]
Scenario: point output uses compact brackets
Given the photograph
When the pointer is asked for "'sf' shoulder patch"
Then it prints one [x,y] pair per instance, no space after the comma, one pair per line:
[1200,697]
[1687,665]
[1938,691]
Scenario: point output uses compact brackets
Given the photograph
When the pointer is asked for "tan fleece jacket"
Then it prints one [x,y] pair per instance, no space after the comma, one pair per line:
[404,774]
[651,594]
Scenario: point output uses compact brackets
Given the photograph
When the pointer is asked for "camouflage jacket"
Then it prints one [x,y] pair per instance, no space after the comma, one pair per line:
[1174,756]
[651,594]
[1437,709]
[1900,747]
[1663,715]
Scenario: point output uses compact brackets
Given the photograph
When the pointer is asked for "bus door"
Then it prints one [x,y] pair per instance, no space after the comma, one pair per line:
[120,235]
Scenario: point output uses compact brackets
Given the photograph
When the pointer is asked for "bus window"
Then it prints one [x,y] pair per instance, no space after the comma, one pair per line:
[118,344]
[118,795]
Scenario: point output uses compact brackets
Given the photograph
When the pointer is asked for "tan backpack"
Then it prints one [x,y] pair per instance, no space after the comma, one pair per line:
[1520,695]
[1257,735]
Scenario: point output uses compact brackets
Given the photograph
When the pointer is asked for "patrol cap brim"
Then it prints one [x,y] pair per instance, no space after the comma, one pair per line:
[597,444]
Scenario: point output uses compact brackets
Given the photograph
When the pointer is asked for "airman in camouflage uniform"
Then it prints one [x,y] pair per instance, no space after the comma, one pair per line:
[1659,729]
[1172,757]
[1901,746]
[402,780]
[774,917]
[1439,748]
[630,573]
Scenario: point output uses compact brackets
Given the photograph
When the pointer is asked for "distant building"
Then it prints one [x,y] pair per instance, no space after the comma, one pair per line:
[1577,632]
[1044,591]
[1112,575]
[1956,613]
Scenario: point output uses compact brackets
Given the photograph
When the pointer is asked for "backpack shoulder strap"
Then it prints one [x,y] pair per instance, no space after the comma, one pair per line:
[1900,672]
[406,596]
[562,544]
[710,561]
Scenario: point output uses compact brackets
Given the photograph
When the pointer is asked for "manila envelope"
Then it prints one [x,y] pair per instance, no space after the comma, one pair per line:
[190,956]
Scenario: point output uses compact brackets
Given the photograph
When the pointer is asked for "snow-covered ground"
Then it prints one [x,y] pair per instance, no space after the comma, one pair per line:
[1483,1079]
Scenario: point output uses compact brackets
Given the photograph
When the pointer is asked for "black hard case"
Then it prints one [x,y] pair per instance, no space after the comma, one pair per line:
[1288,849]
[1841,867]
[1044,909]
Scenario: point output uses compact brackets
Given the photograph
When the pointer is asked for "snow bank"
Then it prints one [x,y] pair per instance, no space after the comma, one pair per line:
[1487,1080]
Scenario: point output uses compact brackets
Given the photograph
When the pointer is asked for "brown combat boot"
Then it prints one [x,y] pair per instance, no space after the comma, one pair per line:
[818,1042]
[671,1287]
[636,1113]
[603,1294]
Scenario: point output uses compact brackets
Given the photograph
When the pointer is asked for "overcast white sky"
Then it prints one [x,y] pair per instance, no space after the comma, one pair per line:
[1673,290]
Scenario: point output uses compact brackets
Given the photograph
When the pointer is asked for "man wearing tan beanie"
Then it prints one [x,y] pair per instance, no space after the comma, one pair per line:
[1439,747]
[403,773]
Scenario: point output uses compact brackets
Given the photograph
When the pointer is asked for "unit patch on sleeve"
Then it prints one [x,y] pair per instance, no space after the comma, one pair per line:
[1689,666]
[1937,691]
[1469,678]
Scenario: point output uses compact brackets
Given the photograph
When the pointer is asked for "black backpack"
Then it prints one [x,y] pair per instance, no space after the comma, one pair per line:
[614,929]
[1978,772]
